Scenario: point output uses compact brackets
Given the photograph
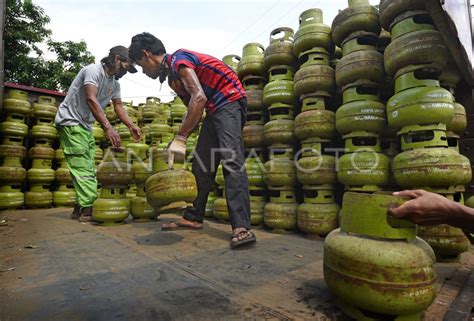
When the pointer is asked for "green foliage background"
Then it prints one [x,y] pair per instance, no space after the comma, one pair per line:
[25,64]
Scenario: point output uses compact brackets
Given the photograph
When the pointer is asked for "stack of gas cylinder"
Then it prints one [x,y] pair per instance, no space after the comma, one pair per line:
[120,127]
[14,130]
[312,85]
[361,118]
[114,175]
[42,138]
[425,117]
[142,170]
[126,139]
[138,156]
[65,195]
[315,126]
[159,131]
[149,111]
[41,174]
[178,109]
[279,99]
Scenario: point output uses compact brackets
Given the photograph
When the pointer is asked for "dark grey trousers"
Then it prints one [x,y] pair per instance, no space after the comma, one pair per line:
[221,139]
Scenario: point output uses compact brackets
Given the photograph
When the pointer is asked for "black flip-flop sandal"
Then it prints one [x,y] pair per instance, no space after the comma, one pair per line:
[248,240]
[178,226]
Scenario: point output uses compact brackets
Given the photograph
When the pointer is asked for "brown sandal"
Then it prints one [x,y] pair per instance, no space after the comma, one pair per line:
[247,240]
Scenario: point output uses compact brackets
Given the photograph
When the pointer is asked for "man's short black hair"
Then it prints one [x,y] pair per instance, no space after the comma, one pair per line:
[145,41]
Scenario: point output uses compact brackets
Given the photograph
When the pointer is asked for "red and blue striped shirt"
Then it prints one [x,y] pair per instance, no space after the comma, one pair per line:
[219,82]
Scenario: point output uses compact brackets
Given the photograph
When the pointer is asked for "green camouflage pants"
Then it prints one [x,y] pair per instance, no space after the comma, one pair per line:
[79,150]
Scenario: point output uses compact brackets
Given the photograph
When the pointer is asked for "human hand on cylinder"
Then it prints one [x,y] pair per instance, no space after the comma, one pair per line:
[426,208]
[176,148]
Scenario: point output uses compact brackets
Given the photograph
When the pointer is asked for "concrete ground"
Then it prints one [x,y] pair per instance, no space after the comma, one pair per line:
[52,268]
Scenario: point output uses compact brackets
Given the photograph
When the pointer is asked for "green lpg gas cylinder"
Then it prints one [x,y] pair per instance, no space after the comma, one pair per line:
[211,198]
[11,197]
[375,263]
[140,210]
[38,196]
[280,216]
[415,48]
[280,50]
[315,123]
[317,219]
[16,102]
[65,196]
[171,189]
[312,32]
[252,61]
[220,210]
[434,167]
[363,64]
[232,61]
[314,76]
[359,16]
[280,88]
[279,131]
[256,212]
[280,172]
[252,135]
[391,9]
[112,207]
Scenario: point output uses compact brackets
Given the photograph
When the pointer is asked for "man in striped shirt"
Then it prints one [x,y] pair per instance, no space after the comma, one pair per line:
[205,83]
